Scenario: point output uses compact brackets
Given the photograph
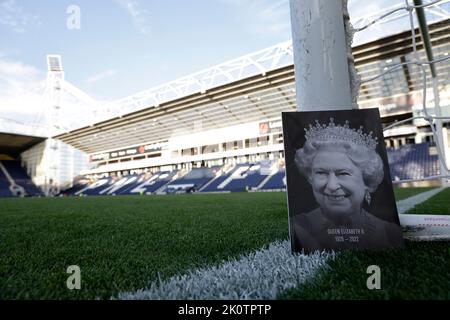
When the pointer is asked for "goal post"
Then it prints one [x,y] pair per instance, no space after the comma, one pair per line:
[320,55]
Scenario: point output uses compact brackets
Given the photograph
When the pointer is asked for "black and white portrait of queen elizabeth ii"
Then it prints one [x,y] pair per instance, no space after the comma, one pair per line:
[343,170]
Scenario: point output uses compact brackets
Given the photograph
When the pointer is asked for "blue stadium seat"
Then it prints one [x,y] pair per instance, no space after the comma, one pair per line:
[132,182]
[121,186]
[21,178]
[192,181]
[4,186]
[276,182]
[154,183]
[79,185]
[412,162]
[94,189]
[406,162]
[241,178]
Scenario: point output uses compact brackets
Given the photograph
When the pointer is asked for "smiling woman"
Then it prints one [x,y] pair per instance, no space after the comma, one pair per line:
[343,168]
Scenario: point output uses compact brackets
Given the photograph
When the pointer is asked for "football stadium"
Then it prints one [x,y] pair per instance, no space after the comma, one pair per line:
[179,191]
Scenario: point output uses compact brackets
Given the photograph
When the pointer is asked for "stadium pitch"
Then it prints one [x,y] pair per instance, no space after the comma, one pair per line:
[126,243]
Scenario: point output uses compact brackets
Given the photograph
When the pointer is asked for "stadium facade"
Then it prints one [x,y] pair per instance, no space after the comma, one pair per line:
[229,117]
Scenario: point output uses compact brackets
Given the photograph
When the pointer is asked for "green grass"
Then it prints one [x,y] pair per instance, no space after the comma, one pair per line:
[403,193]
[122,243]
[418,271]
[439,204]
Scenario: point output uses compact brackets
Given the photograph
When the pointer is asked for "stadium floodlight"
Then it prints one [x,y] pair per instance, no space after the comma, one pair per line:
[54,63]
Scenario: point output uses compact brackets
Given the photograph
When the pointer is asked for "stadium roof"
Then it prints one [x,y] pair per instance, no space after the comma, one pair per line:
[259,97]
[14,144]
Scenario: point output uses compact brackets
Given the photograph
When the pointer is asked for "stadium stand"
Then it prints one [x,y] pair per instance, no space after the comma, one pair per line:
[246,180]
[21,178]
[121,186]
[4,186]
[155,183]
[413,161]
[95,188]
[192,181]
[21,183]
[276,182]
[223,175]
[79,184]
[242,177]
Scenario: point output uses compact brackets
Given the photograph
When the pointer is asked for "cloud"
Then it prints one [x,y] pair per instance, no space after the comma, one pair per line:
[15,18]
[272,17]
[102,75]
[138,14]
[21,89]
[263,17]
[25,100]
[16,69]
[366,11]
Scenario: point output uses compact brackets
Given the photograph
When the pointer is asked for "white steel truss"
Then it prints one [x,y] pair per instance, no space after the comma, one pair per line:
[252,64]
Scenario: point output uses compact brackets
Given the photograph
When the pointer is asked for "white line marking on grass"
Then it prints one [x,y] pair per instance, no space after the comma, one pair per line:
[262,274]
[259,275]
[423,227]
[411,202]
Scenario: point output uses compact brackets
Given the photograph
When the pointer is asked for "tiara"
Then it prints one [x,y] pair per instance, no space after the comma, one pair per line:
[333,132]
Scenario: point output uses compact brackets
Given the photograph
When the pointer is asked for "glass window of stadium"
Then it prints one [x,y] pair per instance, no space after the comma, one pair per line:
[210,148]
[278,138]
[189,152]
[263,141]
[251,143]
[232,145]
[430,139]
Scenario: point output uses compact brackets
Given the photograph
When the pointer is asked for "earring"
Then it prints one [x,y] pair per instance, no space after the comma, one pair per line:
[368,198]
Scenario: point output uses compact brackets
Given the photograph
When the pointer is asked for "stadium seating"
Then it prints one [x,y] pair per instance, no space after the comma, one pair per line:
[121,186]
[192,181]
[412,162]
[276,181]
[154,184]
[95,188]
[78,185]
[116,186]
[4,186]
[20,177]
[406,162]
[221,177]
[240,178]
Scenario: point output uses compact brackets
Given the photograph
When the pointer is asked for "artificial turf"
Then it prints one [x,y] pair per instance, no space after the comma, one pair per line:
[122,243]
[440,204]
[403,193]
[420,270]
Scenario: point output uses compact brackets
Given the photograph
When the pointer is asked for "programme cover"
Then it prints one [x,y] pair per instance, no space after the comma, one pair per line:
[340,193]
